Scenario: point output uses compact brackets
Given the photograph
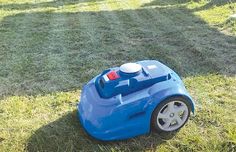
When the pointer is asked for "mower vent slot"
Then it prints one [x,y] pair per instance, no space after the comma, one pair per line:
[101,83]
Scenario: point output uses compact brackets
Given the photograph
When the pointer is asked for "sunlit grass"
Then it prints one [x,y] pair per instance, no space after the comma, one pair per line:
[92,6]
[20,116]
[216,15]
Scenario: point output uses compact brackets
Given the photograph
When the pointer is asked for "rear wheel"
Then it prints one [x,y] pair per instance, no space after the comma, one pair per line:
[171,114]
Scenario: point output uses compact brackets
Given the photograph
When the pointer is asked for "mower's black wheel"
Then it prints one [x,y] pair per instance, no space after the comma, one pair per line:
[170,115]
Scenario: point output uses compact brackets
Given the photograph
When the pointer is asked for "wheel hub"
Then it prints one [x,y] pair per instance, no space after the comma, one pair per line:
[172,115]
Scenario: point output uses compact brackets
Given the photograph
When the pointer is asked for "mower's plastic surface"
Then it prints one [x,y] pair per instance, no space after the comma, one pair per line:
[118,103]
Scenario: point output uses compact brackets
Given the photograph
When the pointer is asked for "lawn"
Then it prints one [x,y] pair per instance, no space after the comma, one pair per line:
[50,48]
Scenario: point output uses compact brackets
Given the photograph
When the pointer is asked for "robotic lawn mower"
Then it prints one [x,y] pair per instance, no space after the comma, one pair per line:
[129,100]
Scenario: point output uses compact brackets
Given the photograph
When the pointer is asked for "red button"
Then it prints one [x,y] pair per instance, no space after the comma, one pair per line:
[112,75]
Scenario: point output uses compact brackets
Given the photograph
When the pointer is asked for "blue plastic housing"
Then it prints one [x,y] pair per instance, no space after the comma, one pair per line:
[129,83]
[122,108]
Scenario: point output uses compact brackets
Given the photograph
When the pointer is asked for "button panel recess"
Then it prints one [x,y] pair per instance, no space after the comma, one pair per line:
[112,75]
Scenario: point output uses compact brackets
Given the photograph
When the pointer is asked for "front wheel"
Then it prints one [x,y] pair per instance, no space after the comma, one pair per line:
[171,114]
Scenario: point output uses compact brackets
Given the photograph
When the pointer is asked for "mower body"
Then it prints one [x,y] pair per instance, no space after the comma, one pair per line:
[118,103]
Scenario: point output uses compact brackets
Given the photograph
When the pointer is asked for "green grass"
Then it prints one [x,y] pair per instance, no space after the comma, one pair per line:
[49,49]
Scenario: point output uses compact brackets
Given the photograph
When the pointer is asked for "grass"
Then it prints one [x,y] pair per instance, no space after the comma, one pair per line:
[49,49]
